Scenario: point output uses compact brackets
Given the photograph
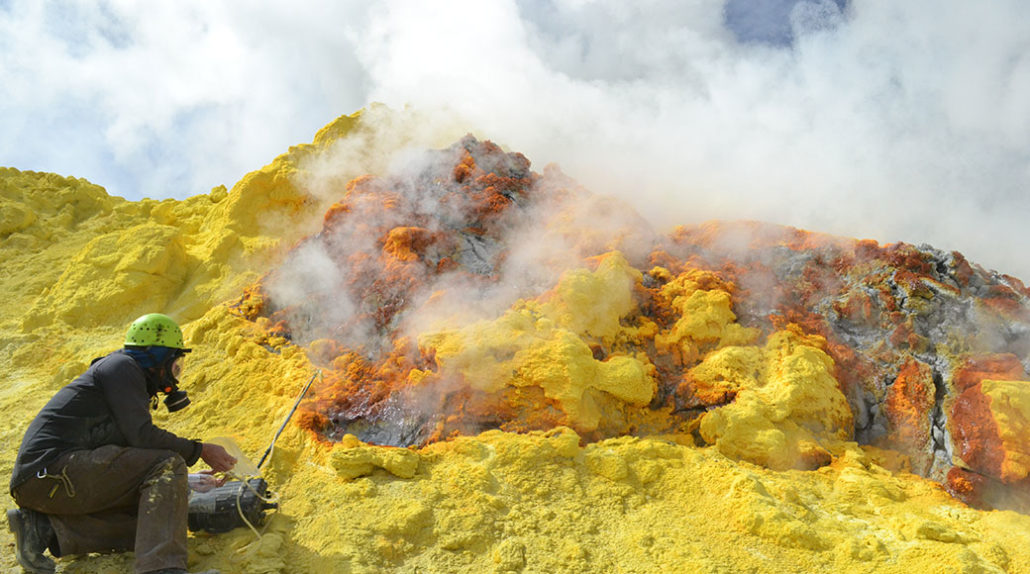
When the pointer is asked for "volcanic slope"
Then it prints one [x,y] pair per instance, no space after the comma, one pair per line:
[518,376]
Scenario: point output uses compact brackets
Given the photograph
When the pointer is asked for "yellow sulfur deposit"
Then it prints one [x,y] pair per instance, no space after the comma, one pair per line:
[592,303]
[79,265]
[1009,405]
[706,317]
[788,410]
[542,345]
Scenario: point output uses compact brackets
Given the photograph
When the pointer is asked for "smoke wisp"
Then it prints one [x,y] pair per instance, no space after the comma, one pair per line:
[892,121]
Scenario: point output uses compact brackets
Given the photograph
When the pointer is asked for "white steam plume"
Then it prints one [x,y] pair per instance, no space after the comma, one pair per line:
[895,121]
[887,120]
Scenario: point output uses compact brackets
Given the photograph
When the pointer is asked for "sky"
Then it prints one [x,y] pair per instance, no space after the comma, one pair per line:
[895,121]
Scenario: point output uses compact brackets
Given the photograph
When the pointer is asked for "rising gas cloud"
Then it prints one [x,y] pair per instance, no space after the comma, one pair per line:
[893,121]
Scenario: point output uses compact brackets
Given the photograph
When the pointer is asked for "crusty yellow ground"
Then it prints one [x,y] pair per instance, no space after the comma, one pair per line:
[79,265]
[542,344]
[787,404]
[1010,405]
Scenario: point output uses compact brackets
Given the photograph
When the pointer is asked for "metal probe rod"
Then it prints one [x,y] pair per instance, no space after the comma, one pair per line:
[288,417]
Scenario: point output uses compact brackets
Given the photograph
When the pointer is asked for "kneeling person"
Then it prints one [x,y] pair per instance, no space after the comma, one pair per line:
[94,474]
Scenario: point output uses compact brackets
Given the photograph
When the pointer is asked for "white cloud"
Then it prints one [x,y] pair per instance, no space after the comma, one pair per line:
[896,121]
[890,120]
[168,99]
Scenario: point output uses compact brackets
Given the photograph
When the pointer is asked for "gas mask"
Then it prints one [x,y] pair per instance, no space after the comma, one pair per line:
[175,398]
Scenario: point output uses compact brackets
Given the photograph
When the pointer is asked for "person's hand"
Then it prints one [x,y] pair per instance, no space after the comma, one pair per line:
[217,458]
[204,481]
[219,479]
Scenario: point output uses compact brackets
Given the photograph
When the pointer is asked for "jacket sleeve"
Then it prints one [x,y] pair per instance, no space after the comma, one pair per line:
[125,389]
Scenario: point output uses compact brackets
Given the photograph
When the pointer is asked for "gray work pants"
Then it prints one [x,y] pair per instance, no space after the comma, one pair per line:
[116,499]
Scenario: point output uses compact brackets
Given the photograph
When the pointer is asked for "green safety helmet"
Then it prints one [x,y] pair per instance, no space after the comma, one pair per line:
[155,329]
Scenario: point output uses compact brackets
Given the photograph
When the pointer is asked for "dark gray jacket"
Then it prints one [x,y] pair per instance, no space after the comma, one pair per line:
[108,404]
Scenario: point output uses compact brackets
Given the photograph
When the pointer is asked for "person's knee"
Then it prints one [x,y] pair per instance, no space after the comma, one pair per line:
[169,470]
[178,464]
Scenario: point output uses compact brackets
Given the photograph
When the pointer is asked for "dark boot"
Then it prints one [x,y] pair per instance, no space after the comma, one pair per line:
[32,534]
